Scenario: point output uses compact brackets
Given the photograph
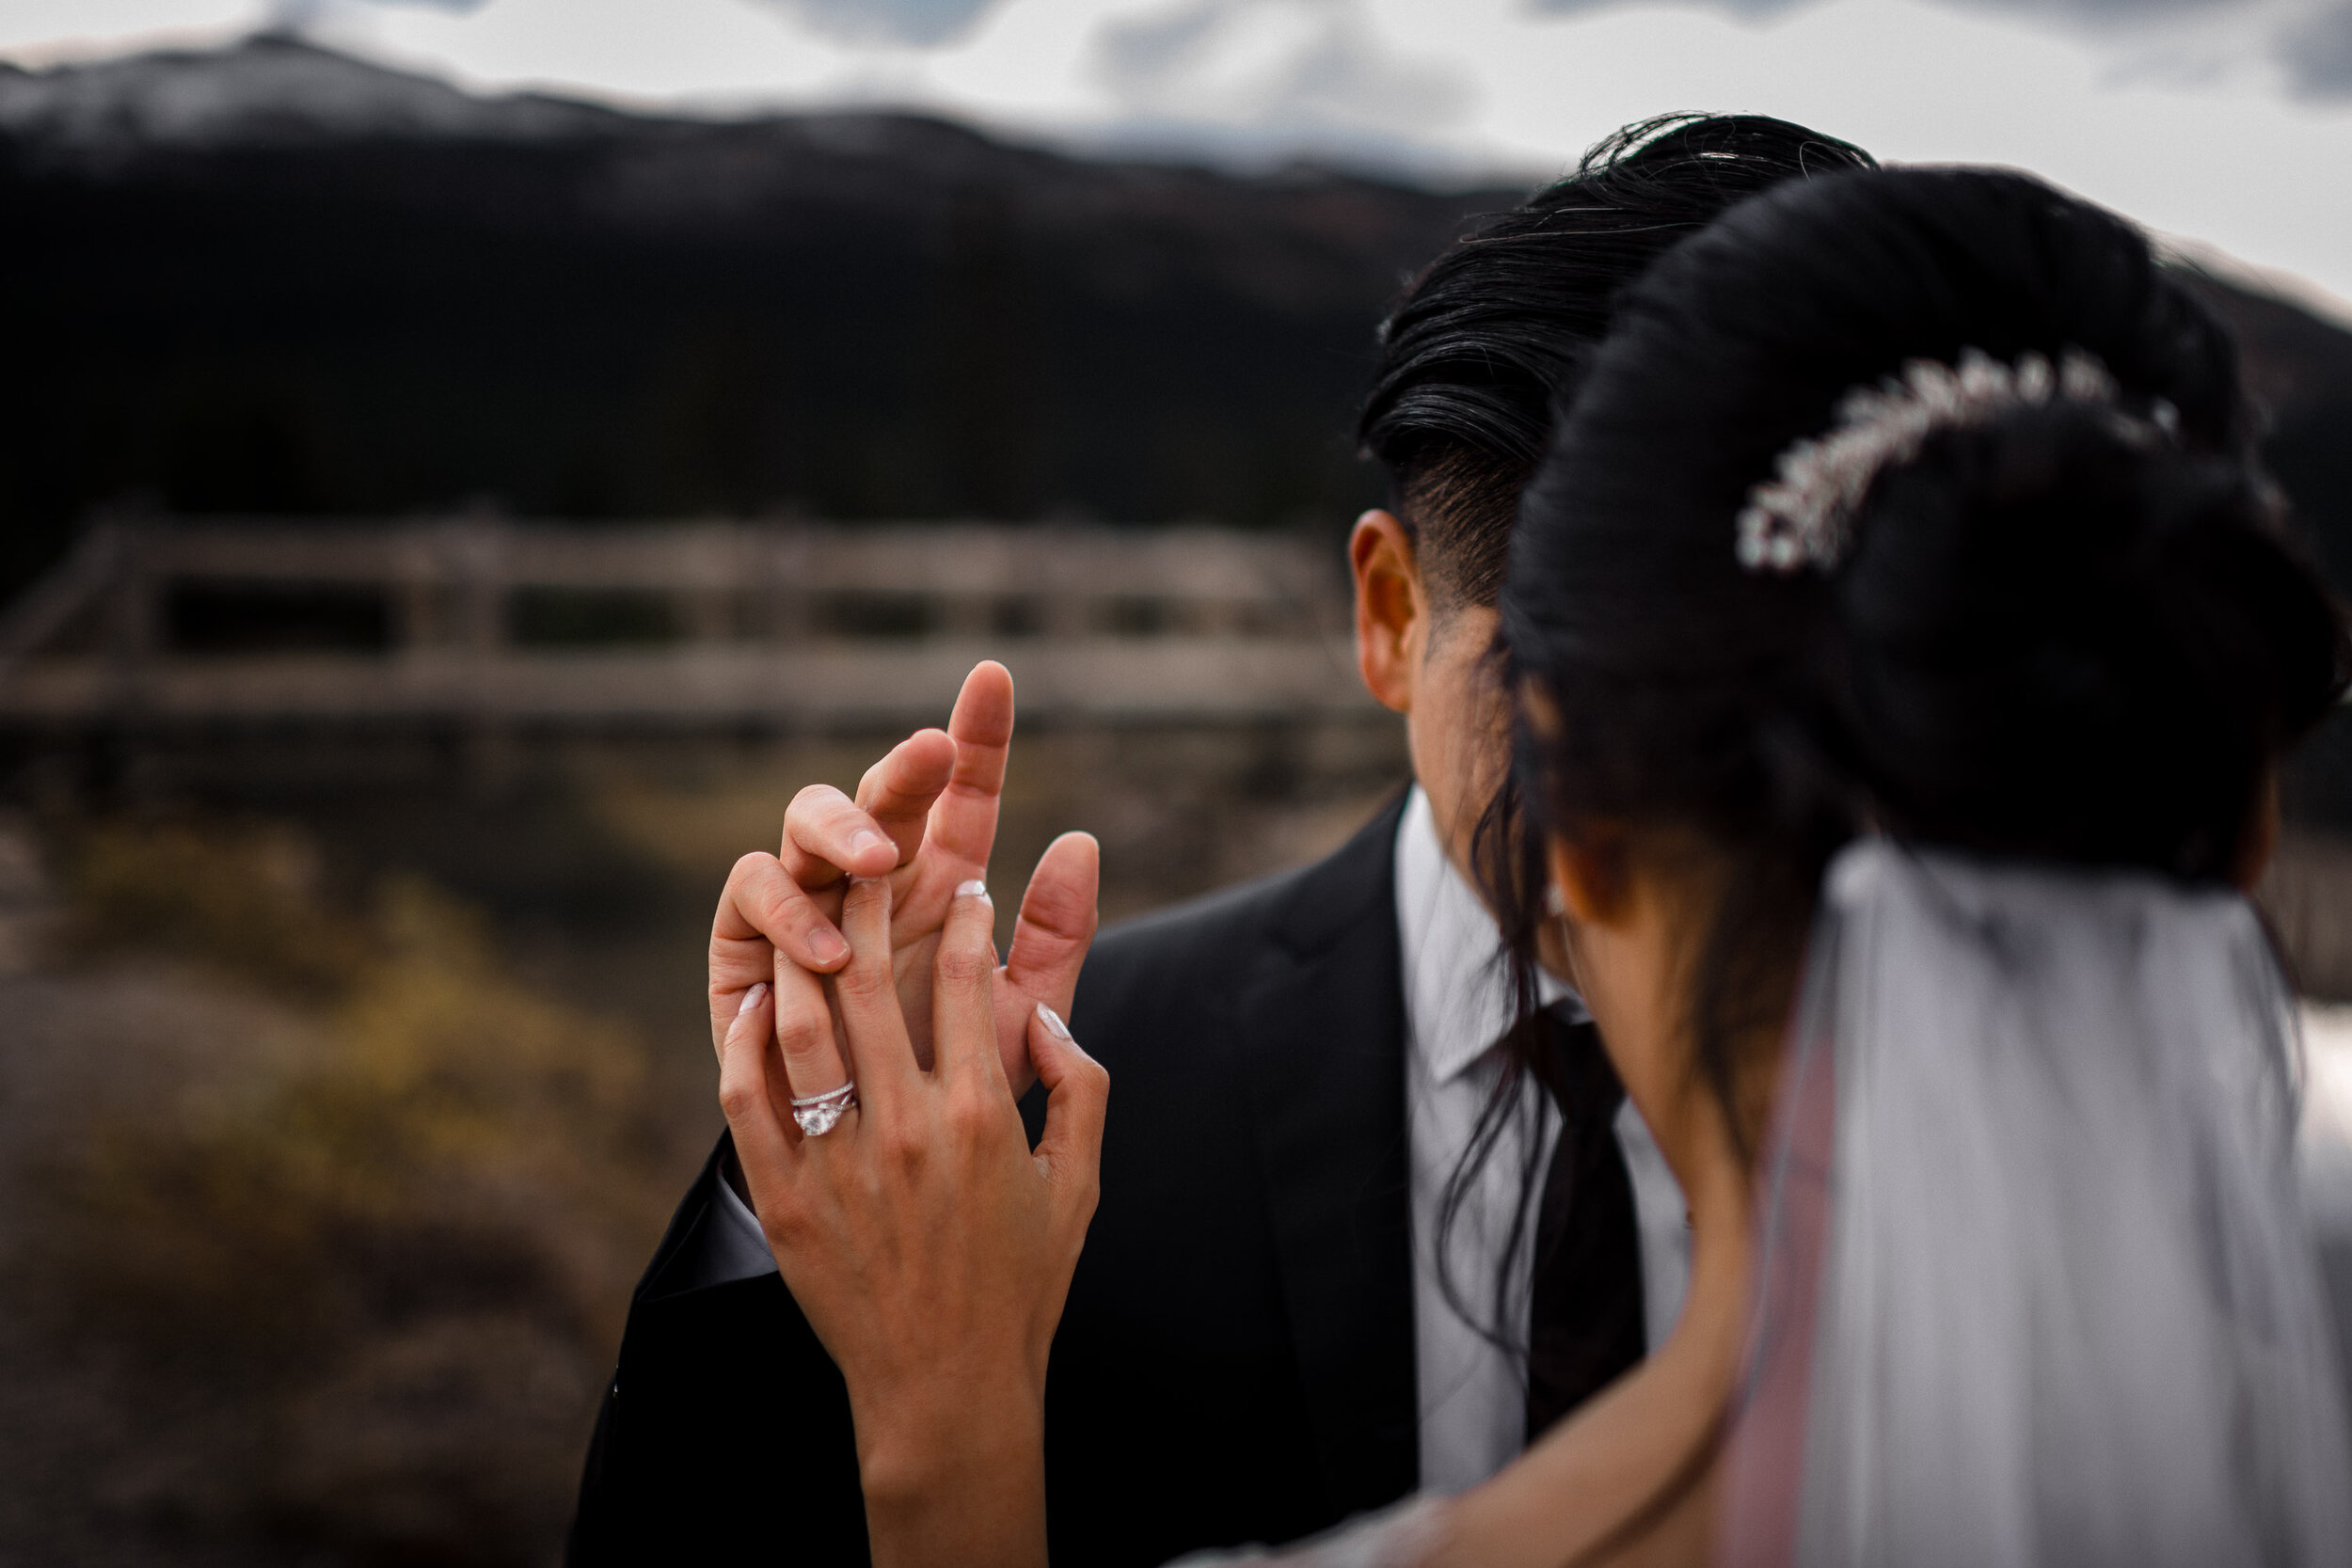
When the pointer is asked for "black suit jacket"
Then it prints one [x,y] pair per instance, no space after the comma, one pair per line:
[1236,1360]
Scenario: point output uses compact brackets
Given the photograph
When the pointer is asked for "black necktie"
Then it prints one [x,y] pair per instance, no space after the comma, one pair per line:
[1584,1320]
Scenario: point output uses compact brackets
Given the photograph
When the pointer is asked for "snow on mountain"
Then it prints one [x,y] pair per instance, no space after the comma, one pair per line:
[269,89]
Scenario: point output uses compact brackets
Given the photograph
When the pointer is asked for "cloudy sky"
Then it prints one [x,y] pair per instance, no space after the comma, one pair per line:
[2222,121]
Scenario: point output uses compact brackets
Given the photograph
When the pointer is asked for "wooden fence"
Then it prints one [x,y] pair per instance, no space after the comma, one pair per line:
[489,622]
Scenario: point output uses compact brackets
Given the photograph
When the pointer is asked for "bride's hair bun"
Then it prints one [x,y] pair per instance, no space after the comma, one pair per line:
[2062,634]
[2062,624]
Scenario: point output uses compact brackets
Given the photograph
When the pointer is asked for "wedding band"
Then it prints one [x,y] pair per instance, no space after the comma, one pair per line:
[818,1112]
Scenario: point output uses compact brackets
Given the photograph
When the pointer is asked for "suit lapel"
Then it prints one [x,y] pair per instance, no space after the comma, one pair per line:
[671,1272]
[1323,1021]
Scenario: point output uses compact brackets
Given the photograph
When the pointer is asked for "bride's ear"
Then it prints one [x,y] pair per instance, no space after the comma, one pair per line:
[1589,874]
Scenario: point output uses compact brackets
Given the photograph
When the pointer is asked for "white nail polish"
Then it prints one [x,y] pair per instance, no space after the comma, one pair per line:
[972,889]
[752,997]
[1053,1021]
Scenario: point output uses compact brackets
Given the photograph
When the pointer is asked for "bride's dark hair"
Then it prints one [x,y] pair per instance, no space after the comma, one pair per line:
[2050,637]
[2057,634]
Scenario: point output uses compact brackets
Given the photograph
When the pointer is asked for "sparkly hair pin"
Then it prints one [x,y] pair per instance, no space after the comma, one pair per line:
[1804,514]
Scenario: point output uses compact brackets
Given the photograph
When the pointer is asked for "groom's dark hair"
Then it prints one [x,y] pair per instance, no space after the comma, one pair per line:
[1498,330]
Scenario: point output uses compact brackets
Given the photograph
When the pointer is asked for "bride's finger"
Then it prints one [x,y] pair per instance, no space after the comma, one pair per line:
[963,1022]
[804,1035]
[881,1059]
[1077,1091]
[762,1146]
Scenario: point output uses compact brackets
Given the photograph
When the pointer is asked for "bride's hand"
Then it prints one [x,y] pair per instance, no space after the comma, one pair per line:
[930,1247]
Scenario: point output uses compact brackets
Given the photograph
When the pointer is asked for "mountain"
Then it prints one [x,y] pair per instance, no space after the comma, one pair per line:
[272,90]
[271,279]
[2299,369]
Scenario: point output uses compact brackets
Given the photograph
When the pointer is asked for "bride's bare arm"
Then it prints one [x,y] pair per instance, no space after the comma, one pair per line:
[930,1247]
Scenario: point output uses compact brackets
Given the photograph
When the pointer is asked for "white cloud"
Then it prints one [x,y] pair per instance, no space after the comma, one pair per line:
[301,13]
[634,52]
[2097,12]
[2309,43]
[906,23]
[2318,53]
[2232,160]
[40,32]
[1296,71]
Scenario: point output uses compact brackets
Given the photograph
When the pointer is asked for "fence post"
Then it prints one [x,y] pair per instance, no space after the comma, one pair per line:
[479,547]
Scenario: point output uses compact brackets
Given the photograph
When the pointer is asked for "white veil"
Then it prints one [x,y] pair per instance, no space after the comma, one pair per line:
[2036,1287]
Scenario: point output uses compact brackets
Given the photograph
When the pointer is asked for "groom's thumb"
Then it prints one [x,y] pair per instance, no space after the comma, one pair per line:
[1057,918]
[1050,939]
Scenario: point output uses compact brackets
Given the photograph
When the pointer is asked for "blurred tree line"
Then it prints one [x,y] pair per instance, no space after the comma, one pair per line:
[850,316]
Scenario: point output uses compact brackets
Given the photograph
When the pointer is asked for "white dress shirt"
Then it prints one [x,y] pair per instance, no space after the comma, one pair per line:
[1457,1004]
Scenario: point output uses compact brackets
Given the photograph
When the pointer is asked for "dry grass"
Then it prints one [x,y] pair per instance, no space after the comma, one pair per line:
[351,1294]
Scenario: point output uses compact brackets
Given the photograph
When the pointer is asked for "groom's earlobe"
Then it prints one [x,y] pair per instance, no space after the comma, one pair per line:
[1391,611]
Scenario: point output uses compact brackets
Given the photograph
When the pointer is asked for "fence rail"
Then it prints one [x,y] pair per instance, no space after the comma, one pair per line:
[487,621]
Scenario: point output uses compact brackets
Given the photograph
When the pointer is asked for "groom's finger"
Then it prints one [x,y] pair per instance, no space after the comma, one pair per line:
[1057,919]
[827,836]
[1050,942]
[761,902]
[962,823]
[898,791]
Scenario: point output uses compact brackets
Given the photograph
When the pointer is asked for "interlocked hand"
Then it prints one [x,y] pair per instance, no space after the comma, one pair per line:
[925,818]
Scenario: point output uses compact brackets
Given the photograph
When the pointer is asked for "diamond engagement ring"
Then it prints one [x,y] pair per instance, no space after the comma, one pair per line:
[818,1112]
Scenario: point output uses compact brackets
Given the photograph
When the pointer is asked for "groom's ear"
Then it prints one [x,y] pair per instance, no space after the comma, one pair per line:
[1391,608]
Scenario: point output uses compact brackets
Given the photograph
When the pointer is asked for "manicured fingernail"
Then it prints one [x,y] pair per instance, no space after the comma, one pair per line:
[864,839]
[1054,1022]
[826,946]
[751,998]
[972,889]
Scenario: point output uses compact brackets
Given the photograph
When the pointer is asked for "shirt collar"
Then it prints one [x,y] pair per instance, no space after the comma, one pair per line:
[1457,980]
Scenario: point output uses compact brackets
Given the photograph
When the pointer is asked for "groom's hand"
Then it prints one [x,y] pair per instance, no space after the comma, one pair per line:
[925,817]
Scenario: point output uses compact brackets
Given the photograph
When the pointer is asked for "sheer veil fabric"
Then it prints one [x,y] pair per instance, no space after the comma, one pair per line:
[2036,1287]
